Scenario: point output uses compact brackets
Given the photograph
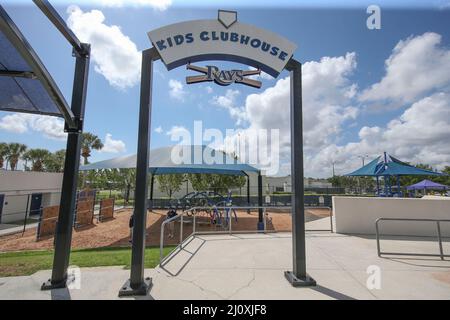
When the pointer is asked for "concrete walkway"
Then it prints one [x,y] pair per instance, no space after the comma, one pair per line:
[251,266]
[7,229]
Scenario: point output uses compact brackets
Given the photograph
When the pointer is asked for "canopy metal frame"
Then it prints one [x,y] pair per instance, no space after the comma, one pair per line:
[15,36]
[73,117]
[74,127]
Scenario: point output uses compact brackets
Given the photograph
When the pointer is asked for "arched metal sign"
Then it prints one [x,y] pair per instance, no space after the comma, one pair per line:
[229,40]
[223,38]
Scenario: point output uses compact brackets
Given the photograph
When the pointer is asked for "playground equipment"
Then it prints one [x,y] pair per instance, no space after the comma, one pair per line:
[210,204]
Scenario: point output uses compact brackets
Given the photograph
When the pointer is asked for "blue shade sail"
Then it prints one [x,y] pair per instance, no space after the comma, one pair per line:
[161,162]
[387,165]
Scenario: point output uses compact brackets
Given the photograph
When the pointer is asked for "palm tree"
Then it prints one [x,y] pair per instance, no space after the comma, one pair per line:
[37,157]
[26,157]
[54,162]
[3,153]
[15,151]
[89,141]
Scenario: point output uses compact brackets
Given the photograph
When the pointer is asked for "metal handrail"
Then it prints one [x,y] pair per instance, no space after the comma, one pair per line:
[438,231]
[229,231]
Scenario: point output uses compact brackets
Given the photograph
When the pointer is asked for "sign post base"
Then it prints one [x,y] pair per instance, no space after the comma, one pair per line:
[128,291]
[299,282]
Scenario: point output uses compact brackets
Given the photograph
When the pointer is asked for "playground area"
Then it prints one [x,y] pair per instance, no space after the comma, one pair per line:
[115,232]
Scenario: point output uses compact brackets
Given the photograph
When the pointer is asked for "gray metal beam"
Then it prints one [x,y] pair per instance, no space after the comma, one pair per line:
[260,203]
[60,24]
[137,285]
[12,32]
[298,276]
[63,236]
[17,74]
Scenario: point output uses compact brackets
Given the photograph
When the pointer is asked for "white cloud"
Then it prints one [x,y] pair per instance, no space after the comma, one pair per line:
[419,135]
[113,146]
[177,90]
[328,96]
[180,135]
[209,89]
[228,102]
[416,77]
[416,66]
[330,99]
[177,130]
[157,4]
[115,55]
[50,127]
[14,123]
[159,129]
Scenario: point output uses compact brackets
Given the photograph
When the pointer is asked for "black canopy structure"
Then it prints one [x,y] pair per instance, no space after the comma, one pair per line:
[25,82]
[27,87]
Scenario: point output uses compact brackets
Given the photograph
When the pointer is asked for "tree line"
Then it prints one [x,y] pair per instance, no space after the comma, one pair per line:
[124,179]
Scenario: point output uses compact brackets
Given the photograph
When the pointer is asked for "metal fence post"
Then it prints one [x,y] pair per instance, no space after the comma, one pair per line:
[441,250]
[230,219]
[377,233]
[181,230]
[331,220]
[193,223]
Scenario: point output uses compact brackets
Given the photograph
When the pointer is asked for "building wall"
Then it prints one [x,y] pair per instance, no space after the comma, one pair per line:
[357,215]
[17,186]
[284,183]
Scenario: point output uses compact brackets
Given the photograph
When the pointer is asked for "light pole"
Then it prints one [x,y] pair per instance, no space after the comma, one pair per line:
[359,180]
[363,157]
[239,146]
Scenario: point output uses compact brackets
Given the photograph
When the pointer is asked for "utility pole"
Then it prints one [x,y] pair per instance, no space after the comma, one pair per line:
[333,167]
[239,146]
[359,180]
[362,158]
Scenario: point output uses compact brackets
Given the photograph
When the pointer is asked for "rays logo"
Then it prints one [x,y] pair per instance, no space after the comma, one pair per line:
[223,77]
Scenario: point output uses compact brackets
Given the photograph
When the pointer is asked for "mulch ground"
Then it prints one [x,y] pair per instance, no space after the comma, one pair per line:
[115,232]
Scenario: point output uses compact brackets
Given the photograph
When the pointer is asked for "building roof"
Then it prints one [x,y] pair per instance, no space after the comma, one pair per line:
[180,159]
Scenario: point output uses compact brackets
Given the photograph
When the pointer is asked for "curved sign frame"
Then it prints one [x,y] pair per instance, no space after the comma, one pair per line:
[200,40]
[174,55]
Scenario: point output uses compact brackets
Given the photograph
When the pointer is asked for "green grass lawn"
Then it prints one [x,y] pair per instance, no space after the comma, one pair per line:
[28,262]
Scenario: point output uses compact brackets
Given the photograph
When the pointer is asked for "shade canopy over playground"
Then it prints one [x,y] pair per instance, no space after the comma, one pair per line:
[387,165]
[427,185]
[180,159]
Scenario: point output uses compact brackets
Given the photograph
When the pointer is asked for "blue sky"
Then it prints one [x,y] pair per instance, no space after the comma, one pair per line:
[361,122]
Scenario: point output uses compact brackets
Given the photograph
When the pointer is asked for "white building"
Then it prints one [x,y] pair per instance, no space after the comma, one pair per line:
[283,184]
[25,192]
